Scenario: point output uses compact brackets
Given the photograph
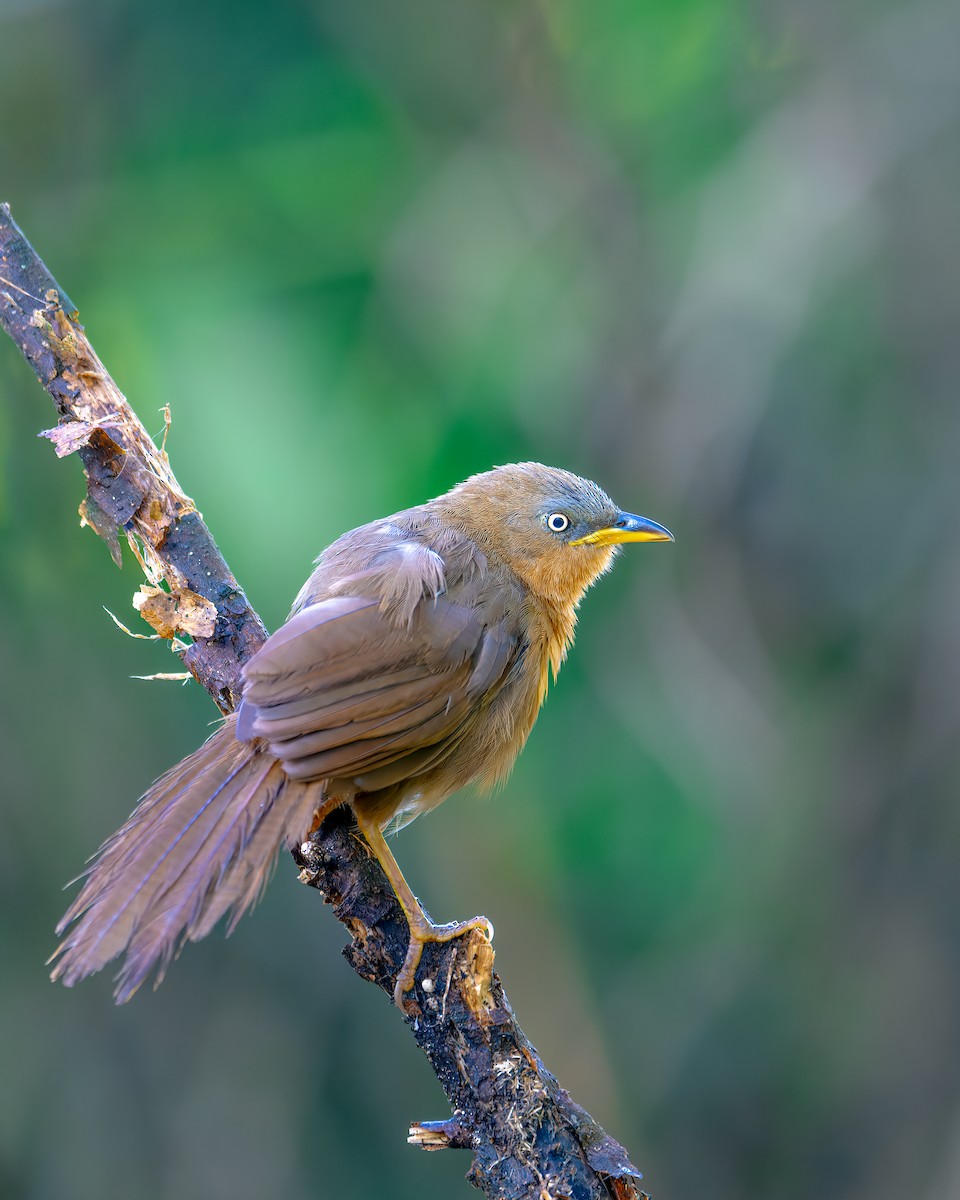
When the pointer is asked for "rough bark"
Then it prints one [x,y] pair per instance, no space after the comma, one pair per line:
[528,1137]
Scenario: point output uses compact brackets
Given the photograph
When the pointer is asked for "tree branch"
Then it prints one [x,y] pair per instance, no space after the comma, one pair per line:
[528,1137]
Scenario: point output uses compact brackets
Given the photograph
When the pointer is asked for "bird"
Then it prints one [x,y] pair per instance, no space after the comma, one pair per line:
[415,660]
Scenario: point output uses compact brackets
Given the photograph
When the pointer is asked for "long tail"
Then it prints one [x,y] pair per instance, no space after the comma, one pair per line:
[201,841]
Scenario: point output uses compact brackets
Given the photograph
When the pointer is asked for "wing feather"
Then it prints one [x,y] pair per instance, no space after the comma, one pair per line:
[343,691]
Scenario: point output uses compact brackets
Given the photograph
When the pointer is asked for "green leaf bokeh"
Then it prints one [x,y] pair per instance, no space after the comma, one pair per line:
[705,253]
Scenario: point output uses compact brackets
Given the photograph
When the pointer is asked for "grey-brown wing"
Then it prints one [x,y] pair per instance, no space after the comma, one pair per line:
[343,691]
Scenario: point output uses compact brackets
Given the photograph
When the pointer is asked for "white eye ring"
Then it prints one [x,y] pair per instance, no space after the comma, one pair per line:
[558,522]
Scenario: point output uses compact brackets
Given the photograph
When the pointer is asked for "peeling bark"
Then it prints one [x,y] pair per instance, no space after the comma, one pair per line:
[528,1138]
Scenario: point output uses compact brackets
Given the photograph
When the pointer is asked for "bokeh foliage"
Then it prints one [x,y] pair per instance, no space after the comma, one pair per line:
[703,252]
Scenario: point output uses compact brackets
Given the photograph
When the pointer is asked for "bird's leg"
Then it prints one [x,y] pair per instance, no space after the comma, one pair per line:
[422,929]
[324,809]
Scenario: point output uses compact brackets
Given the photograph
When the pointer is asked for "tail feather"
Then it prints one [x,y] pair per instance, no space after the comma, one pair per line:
[201,841]
[243,882]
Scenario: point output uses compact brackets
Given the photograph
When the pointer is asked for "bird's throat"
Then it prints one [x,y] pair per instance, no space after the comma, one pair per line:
[556,608]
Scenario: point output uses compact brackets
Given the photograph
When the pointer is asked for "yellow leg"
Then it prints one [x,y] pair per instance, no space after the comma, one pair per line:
[422,929]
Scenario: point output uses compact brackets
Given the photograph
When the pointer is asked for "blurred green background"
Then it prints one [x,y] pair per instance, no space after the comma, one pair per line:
[706,253]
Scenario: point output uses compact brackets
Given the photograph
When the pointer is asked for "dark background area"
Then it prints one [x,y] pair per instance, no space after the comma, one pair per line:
[706,253]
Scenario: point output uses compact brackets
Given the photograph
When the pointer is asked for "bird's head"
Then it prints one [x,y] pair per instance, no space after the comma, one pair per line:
[556,531]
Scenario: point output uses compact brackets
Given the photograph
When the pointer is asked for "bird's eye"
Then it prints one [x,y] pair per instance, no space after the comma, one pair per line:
[558,522]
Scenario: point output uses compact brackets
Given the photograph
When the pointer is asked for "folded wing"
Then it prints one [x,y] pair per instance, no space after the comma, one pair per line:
[342,691]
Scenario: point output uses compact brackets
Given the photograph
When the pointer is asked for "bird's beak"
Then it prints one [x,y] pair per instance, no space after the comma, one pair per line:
[627,528]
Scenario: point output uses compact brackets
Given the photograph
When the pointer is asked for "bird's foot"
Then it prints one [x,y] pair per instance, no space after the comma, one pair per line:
[423,931]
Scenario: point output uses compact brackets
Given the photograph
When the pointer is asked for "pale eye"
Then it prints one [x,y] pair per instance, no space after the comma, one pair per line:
[558,522]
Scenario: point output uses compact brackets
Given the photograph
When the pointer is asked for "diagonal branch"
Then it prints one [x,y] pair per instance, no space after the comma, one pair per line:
[528,1137]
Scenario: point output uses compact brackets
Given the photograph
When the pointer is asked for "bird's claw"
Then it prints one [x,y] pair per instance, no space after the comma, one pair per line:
[420,935]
